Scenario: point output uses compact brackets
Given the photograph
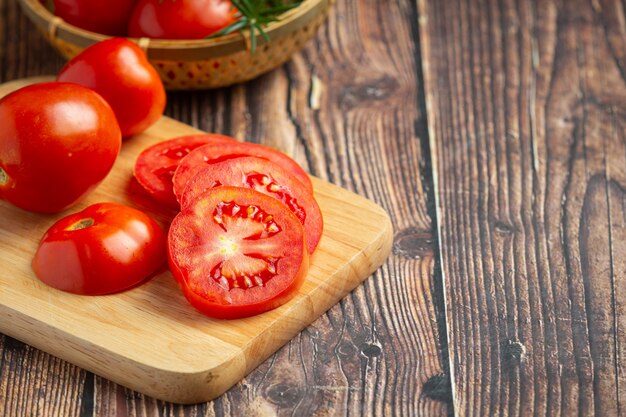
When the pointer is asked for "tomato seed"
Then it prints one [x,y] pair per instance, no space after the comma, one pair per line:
[223,281]
[247,281]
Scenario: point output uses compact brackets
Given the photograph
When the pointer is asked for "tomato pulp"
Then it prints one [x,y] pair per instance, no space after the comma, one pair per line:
[236,252]
[266,177]
[209,154]
[103,249]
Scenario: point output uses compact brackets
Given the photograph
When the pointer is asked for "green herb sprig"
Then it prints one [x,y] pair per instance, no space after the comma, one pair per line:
[255,15]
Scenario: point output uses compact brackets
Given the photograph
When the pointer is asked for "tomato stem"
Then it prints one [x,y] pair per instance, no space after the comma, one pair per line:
[81,224]
[255,15]
[4,178]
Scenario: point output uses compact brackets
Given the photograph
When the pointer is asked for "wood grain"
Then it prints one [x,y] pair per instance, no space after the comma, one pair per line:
[527,113]
[348,107]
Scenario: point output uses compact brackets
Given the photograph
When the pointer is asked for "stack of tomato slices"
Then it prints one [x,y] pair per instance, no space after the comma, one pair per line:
[247,225]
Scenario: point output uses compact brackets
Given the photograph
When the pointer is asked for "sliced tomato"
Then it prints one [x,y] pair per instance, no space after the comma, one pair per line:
[209,154]
[236,252]
[266,177]
[156,164]
[103,249]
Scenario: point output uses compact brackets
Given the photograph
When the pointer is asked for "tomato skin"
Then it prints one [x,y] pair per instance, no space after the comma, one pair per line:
[119,71]
[155,165]
[58,141]
[208,154]
[119,249]
[250,172]
[109,17]
[180,19]
[198,246]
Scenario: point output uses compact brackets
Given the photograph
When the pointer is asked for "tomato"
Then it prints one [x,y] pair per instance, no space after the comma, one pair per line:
[266,177]
[109,17]
[180,19]
[57,142]
[105,248]
[155,165]
[120,72]
[236,252]
[208,154]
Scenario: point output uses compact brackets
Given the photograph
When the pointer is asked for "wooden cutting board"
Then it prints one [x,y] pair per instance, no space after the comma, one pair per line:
[149,338]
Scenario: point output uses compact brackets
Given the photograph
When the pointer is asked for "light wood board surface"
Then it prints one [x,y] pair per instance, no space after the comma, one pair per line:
[150,339]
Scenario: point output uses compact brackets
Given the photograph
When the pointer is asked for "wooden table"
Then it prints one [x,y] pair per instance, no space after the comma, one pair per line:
[493,132]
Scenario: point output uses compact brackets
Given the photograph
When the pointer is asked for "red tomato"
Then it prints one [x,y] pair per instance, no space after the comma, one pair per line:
[236,252]
[120,72]
[109,17]
[57,142]
[180,19]
[266,177]
[103,249]
[208,154]
[156,164]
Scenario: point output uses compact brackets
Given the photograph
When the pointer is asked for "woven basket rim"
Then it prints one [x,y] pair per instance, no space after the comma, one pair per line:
[168,49]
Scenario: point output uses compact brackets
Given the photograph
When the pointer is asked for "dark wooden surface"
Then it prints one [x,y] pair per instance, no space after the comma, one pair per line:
[504,294]
[527,114]
[382,350]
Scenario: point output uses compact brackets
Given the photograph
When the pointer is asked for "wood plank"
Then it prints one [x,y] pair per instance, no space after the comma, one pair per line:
[527,109]
[345,99]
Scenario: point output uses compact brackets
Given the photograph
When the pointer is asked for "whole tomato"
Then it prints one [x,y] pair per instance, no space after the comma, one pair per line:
[57,142]
[109,17]
[180,19]
[103,249]
[119,71]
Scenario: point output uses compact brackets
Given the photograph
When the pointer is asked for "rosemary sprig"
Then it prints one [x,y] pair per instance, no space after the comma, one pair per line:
[254,15]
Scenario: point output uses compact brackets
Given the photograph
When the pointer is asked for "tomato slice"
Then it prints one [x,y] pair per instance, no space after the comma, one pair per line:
[155,166]
[236,252]
[105,248]
[209,154]
[266,177]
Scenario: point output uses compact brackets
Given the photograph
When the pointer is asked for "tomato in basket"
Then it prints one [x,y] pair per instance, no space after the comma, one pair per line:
[109,17]
[105,248]
[236,252]
[180,19]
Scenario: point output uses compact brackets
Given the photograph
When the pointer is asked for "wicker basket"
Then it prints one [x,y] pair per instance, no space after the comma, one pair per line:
[203,63]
